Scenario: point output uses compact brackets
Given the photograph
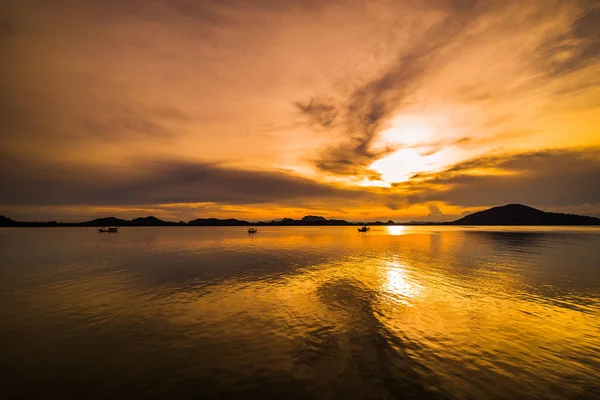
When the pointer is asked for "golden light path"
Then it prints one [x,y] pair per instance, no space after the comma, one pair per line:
[397,230]
[399,285]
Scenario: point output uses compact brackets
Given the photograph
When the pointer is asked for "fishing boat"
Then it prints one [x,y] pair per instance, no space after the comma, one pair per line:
[109,230]
[364,229]
[252,230]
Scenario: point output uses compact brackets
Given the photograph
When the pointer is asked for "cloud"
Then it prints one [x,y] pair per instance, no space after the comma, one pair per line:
[151,182]
[574,48]
[550,178]
[375,101]
[434,211]
[321,113]
[439,145]
[105,102]
[446,58]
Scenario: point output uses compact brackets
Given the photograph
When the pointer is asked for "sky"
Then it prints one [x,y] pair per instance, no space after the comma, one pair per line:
[256,110]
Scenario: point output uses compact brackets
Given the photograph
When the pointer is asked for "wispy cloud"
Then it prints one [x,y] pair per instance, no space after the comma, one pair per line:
[369,106]
[551,178]
[437,56]
[572,49]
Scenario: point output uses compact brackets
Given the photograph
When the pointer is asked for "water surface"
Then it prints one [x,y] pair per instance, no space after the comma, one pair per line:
[301,312]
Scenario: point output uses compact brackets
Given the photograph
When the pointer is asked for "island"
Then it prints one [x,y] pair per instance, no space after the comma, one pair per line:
[510,214]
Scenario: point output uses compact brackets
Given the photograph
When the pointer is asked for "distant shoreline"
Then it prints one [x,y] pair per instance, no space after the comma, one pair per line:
[507,215]
[447,224]
[54,224]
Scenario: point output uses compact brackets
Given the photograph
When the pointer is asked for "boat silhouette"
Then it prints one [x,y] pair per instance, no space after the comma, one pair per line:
[109,230]
[252,230]
[364,229]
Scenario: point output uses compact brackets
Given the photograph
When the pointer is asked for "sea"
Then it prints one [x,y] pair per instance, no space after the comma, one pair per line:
[399,312]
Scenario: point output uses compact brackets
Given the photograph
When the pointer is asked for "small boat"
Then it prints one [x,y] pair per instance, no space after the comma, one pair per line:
[364,229]
[252,230]
[109,230]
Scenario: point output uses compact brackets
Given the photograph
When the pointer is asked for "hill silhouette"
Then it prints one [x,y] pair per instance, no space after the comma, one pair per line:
[218,222]
[519,214]
[152,221]
[108,221]
[5,221]
[141,221]
[510,214]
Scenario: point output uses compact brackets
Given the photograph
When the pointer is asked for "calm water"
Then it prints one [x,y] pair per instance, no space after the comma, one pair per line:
[328,313]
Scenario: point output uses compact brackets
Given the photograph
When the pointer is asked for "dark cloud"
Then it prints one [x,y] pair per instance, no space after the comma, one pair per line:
[553,178]
[394,201]
[549,179]
[586,29]
[320,112]
[151,182]
[393,206]
[570,51]
[434,211]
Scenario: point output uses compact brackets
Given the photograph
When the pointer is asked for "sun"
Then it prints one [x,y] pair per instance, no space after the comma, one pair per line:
[402,164]
[417,138]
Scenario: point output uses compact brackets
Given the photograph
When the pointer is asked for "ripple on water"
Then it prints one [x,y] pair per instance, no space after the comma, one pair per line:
[426,312]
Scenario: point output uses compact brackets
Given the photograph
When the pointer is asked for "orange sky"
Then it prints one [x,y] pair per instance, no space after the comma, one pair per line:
[267,109]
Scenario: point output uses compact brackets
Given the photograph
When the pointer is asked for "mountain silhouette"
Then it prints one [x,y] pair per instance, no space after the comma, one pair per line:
[519,214]
[108,221]
[313,218]
[510,214]
[218,222]
[140,221]
[5,221]
[151,221]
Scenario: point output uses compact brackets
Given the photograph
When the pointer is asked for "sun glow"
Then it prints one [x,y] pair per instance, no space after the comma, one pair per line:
[408,130]
[402,164]
[396,230]
[420,149]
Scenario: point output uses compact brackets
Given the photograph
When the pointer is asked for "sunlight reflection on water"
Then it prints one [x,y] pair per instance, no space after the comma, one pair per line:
[416,312]
[399,284]
[396,230]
